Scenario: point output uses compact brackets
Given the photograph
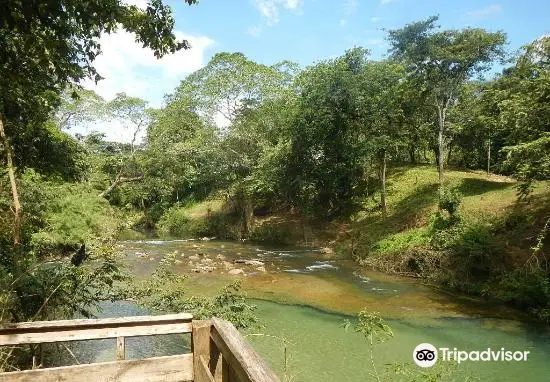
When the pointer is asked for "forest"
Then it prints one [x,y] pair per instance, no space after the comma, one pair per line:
[433,162]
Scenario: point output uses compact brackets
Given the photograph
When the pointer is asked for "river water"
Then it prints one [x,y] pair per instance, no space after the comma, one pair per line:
[303,297]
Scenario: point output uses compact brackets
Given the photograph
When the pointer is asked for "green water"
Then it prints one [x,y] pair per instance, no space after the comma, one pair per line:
[305,297]
[321,350]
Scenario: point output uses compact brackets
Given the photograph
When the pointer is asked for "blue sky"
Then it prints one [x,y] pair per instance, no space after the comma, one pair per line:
[309,30]
[303,31]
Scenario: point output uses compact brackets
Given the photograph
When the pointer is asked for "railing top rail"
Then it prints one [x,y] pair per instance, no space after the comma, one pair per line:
[96,322]
[88,329]
[242,358]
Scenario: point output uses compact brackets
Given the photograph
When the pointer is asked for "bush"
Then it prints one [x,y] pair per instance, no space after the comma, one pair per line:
[174,222]
[271,234]
[526,289]
[470,256]
[450,200]
[403,241]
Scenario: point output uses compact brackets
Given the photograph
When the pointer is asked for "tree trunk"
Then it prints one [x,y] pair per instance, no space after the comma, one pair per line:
[489,157]
[412,154]
[449,153]
[383,205]
[13,183]
[440,143]
[116,182]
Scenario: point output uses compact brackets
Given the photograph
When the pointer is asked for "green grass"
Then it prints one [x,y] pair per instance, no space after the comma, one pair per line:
[413,199]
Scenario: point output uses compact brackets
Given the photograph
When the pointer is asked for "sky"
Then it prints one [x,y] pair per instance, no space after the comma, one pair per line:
[303,31]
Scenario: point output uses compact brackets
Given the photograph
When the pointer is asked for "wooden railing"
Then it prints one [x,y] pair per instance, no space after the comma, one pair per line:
[219,352]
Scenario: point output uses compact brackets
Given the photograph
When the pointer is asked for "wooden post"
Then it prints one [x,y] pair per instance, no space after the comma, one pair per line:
[218,364]
[200,346]
[244,363]
[120,351]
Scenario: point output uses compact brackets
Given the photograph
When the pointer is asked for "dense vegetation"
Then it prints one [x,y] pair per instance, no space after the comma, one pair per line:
[349,141]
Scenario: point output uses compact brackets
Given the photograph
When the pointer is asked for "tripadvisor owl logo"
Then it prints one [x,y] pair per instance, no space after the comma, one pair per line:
[425,355]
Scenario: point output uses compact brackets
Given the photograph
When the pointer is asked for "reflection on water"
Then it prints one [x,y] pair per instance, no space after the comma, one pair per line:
[313,283]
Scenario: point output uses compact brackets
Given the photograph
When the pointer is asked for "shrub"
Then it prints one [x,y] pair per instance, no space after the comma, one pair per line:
[271,234]
[450,200]
[174,222]
[403,241]
[526,289]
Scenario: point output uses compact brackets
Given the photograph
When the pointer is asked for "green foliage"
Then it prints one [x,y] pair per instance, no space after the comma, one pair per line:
[372,326]
[527,289]
[174,222]
[165,291]
[267,233]
[403,241]
[61,216]
[450,200]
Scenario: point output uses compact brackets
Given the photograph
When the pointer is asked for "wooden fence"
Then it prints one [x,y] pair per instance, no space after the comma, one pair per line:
[218,353]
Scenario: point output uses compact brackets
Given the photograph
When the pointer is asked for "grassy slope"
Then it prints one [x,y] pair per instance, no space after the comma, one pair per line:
[412,198]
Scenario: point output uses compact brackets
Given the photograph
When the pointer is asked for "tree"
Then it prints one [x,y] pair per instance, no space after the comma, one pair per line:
[524,112]
[44,46]
[132,112]
[78,107]
[229,82]
[382,115]
[439,62]
[325,168]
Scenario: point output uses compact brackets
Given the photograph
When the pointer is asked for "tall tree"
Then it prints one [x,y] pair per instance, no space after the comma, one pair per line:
[133,113]
[325,165]
[441,61]
[79,107]
[230,81]
[44,46]
[382,115]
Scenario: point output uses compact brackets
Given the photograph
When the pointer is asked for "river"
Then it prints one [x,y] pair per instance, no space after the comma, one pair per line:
[304,295]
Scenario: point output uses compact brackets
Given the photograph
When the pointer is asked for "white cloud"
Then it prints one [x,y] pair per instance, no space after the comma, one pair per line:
[343,22]
[481,13]
[375,19]
[254,31]
[386,2]
[270,8]
[128,67]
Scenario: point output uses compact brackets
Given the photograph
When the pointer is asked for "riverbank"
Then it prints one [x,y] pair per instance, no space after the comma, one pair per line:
[479,256]
[301,276]
[303,298]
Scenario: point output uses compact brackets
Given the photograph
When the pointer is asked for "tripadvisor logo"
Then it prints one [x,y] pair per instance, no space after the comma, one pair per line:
[426,355]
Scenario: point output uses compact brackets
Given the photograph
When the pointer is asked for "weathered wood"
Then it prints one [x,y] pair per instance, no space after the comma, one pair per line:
[218,365]
[166,369]
[202,372]
[241,358]
[101,322]
[79,334]
[120,351]
[200,346]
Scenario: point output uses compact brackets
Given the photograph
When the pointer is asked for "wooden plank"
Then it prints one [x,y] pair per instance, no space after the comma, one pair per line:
[242,359]
[120,351]
[200,346]
[75,334]
[218,365]
[202,372]
[166,369]
[101,322]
